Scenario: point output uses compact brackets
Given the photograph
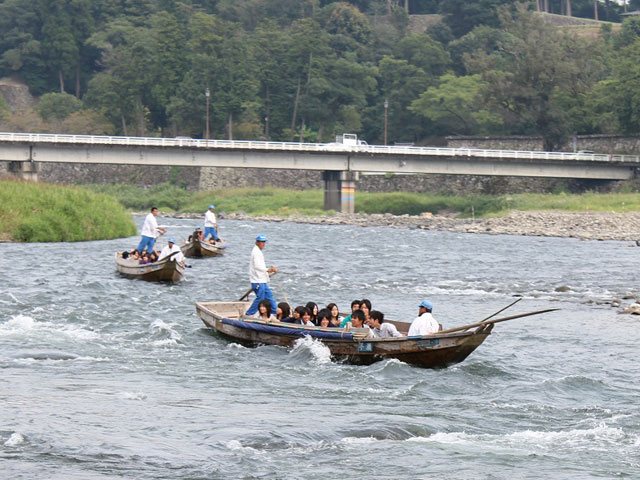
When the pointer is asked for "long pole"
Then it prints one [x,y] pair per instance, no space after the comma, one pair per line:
[207,94]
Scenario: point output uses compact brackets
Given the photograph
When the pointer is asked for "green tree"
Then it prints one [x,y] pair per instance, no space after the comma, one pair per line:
[57,106]
[535,63]
[455,106]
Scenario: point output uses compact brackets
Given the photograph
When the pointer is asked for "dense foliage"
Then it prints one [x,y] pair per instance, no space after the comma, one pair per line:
[36,212]
[308,69]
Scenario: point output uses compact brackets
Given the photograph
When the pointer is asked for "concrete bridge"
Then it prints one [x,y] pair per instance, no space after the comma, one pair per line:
[340,163]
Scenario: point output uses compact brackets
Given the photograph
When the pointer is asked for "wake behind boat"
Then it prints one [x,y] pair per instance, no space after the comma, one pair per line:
[437,350]
[165,270]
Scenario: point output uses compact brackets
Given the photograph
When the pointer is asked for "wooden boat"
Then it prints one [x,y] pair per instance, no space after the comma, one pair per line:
[166,270]
[200,249]
[444,348]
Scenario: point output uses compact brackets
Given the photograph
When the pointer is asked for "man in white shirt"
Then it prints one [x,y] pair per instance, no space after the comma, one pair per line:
[150,231]
[172,248]
[210,225]
[424,324]
[381,328]
[259,276]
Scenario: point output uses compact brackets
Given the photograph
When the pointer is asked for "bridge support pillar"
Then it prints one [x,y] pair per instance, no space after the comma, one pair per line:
[27,170]
[339,190]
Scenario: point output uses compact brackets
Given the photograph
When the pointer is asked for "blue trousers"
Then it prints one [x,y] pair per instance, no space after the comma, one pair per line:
[146,242]
[211,231]
[263,292]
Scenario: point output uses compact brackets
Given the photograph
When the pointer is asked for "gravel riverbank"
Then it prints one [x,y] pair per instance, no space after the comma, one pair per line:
[584,225]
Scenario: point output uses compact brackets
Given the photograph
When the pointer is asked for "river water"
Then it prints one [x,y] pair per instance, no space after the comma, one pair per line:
[105,377]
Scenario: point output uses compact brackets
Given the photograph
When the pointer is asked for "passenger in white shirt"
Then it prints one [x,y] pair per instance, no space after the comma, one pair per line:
[424,324]
[150,232]
[380,328]
[172,248]
[210,224]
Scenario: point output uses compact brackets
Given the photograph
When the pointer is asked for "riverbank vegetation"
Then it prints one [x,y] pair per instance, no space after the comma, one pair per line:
[290,70]
[37,212]
[284,202]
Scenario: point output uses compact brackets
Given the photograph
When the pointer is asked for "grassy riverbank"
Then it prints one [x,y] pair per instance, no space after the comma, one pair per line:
[282,202]
[38,212]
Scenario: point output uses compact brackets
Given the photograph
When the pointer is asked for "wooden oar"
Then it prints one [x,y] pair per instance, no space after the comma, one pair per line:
[497,320]
[501,310]
[244,297]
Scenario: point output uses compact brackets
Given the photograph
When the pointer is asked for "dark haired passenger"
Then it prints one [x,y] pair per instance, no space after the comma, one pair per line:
[324,318]
[313,308]
[355,305]
[365,306]
[380,328]
[335,319]
[283,312]
[264,311]
[357,321]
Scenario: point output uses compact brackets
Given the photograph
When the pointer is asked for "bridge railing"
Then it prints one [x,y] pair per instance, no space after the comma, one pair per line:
[313,147]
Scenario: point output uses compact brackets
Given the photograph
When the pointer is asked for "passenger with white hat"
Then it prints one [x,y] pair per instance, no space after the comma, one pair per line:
[424,324]
[259,276]
[172,248]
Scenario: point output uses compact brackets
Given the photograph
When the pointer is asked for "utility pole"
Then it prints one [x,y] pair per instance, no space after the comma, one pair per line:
[207,94]
[386,108]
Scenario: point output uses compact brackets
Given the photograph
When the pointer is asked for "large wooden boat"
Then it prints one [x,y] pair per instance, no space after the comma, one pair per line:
[200,248]
[166,270]
[355,346]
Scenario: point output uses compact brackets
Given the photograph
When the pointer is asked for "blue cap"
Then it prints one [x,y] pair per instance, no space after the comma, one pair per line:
[261,238]
[171,240]
[212,206]
[426,304]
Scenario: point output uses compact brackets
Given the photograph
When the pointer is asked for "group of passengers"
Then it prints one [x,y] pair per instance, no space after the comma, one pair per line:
[362,316]
[142,257]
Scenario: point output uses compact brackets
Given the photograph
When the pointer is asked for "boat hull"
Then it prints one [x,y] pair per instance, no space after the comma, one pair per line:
[200,249]
[163,271]
[431,351]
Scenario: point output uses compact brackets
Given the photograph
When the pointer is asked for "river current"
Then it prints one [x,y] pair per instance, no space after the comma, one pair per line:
[104,377]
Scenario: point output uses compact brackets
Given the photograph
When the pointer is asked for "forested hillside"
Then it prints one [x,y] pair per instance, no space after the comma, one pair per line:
[304,70]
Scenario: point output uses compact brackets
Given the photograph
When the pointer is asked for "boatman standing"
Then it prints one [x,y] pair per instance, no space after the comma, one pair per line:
[150,231]
[424,324]
[259,276]
[210,224]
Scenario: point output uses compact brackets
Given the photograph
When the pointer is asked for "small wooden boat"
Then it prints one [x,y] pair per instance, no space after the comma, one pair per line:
[166,270]
[201,248]
[354,346]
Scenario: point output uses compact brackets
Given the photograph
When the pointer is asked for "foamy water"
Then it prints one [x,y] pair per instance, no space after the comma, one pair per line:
[106,377]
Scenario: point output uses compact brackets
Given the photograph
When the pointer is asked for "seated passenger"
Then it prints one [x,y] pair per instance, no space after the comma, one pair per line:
[313,309]
[283,312]
[355,305]
[170,249]
[365,306]
[153,257]
[424,324]
[335,319]
[357,321]
[264,311]
[144,259]
[380,328]
[134,255]
[324,318]
[302,316]
[124,255]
